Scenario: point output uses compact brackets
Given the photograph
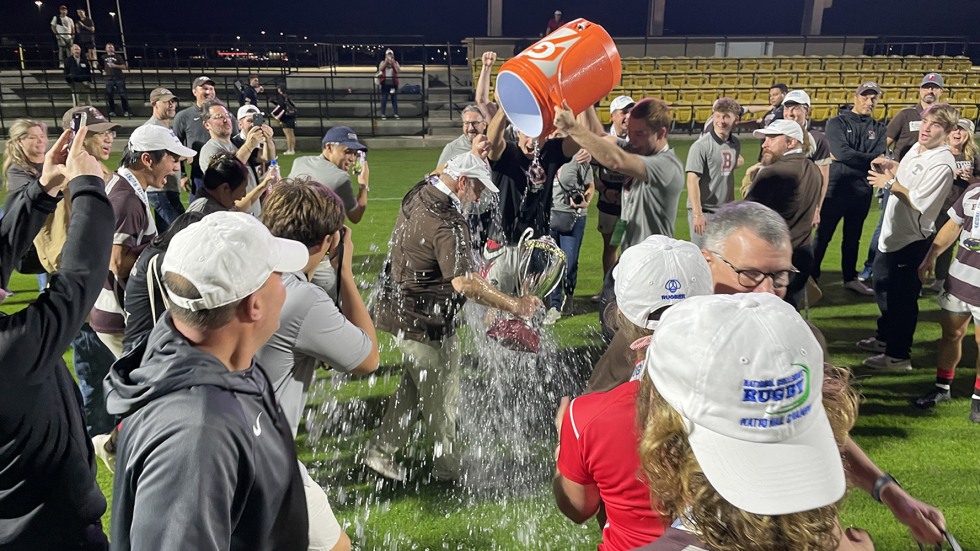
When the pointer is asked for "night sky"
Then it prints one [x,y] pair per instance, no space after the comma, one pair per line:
[444,20]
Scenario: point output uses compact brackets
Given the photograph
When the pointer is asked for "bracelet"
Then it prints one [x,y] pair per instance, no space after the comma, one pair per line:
[882,481]
[888,185]
[365,187]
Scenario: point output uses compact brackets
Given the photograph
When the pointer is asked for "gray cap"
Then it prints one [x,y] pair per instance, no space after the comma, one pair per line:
[934,79]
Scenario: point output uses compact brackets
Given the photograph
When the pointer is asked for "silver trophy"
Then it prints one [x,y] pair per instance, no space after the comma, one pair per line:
[540,268]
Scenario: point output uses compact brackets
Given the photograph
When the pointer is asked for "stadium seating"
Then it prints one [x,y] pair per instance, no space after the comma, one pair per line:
[690,84]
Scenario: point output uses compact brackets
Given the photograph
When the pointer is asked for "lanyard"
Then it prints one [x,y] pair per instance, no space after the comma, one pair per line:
[131,178]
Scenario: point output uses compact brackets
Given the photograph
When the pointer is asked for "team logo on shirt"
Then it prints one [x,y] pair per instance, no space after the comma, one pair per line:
[872,134]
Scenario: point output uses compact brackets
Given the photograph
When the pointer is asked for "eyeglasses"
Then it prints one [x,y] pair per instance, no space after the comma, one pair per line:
[473,124]
[220,117]
[750,279]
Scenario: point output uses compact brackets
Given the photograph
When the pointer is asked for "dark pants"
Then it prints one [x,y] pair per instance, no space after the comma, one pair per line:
[113,87]
[92,361]
[897,289]
[570,243]
[873,247]
[802,261]
[166,208]
[386,91]
[853,211]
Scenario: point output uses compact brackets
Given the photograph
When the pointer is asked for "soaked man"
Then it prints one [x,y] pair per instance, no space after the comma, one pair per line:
[429,276]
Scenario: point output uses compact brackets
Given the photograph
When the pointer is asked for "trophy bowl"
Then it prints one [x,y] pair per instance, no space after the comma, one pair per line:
[540,268]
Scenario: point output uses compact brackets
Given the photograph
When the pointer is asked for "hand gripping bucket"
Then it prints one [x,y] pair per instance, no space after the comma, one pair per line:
[578,63]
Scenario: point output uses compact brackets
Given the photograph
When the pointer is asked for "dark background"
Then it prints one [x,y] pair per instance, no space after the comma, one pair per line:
[436,21]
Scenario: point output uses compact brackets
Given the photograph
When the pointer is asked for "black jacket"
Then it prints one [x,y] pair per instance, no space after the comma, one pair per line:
[205,459]
[49,498]
[854,141]
[77,71]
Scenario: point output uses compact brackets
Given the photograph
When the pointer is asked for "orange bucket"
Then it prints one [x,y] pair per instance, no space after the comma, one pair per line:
[578,64]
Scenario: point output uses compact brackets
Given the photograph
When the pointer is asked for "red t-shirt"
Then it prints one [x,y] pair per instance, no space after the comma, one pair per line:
[599,447]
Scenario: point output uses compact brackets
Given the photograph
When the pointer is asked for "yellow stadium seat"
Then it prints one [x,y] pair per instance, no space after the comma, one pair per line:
[648,65]
[749,65]
[702,113]
[969,111]
[682,113]
[695,81]
[631,65]
[820,112]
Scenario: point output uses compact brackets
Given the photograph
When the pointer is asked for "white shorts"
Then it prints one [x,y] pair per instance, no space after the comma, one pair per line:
[953,305]
[324,528]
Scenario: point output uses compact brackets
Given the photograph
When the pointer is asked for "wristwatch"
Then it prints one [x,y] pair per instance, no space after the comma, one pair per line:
[880,484]
[890,183]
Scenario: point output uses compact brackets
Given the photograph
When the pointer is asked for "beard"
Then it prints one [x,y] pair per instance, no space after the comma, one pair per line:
[770,157]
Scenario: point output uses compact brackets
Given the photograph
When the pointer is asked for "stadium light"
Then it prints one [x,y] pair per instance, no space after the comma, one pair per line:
[38,3]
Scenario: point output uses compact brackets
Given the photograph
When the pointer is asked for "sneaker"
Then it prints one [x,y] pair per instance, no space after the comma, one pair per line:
[112,113]
[975,410]
[930,399]
[872,344]
[396,116]
[551,317]
[595,298]
[128,116]
[384,118]
[385,465]
[884,361]
[290,152]
[107,457]
[859,288]
[865,275]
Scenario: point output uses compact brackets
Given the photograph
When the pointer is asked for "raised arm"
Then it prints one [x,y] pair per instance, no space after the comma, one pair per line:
[483,86]
[41,332]
[495,135]
[607,153]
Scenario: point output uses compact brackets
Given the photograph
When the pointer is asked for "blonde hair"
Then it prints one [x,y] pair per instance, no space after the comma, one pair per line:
[13,153]
[682,490]
[969,145]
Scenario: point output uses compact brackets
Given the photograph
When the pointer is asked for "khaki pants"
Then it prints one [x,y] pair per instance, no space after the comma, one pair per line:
[429,389]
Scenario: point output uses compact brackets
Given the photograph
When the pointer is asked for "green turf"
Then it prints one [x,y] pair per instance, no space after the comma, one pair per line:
[933,454]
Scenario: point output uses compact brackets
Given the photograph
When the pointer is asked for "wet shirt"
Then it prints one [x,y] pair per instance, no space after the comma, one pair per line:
[519,208]
[460,145]
[430,245]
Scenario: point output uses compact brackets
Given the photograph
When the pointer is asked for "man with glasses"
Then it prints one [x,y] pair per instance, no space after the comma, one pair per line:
[332,168]
[473,125]
[219,124]
[748,249]
[166,200]
[152,153]
[790,184]
[856,139]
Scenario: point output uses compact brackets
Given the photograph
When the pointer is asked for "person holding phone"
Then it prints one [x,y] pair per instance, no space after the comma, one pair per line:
[250,117]
[387,77]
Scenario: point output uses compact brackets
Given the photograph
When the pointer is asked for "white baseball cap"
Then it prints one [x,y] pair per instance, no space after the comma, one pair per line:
[746,374]
[151,137]
[785,127]
[247,110]
[469,165]
[228,256]
[659,272]
[621,102]
[797,96]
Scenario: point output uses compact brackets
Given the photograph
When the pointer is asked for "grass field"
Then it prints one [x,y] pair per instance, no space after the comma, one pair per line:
[934,454]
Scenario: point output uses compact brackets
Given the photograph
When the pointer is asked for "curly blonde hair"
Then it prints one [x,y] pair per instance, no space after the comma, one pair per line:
[13,153]
[678,484]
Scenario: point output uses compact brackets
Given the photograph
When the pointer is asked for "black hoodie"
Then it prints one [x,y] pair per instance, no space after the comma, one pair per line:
[854,141]
[49,498]
[205,459]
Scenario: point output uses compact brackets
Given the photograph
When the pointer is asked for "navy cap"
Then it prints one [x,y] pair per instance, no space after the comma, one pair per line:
[343,135]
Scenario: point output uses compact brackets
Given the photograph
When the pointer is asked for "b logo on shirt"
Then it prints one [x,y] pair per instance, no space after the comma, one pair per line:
[727,161]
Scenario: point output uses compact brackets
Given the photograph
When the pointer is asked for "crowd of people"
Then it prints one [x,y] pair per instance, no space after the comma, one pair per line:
[197,335]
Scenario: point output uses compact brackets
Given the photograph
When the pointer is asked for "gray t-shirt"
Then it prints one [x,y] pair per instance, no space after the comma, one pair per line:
[570,177]
[311,331]
[462,144]
[212,148]
[650,206]
[171,182]
[714,162]
[323,171]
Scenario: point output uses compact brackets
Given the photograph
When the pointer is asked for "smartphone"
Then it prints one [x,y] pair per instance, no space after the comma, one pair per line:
[257,119]
[78,120]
